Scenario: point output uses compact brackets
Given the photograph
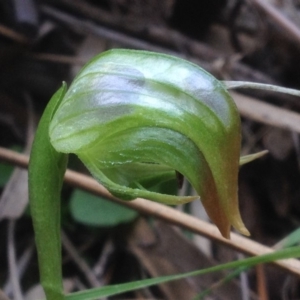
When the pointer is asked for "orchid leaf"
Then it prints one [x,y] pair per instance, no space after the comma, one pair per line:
[133,109]
[96,211]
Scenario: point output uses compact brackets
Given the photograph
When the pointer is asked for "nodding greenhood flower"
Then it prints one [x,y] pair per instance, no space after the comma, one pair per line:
[136,117]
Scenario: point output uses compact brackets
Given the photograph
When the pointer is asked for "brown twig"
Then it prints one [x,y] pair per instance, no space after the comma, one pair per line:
[82,265]
[58,58]
[261,283]
[13,34]
[267,113]
[289,29]
[163,212]
[84,26]
[22,266]
[159,39]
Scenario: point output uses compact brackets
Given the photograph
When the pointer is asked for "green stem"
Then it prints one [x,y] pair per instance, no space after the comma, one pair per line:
[46,171]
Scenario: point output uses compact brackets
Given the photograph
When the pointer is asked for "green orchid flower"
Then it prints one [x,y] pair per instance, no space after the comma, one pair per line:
[135,119]
[131,116]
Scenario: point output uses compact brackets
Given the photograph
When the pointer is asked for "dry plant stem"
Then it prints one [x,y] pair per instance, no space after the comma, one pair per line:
[261,283]
[289,29]
[82,265]
[3,296]
[266,113]
[244,281]
[13,269]
[57,58]
[14,197]
[99,267]
[158,34]
[166,36]
[13,34]
[88,27]
[22,265]
[163,212]
[197,52]
[260,86]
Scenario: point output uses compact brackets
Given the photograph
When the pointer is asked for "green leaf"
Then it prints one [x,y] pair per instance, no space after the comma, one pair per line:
[138,109]
[96,211]
[131,286]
